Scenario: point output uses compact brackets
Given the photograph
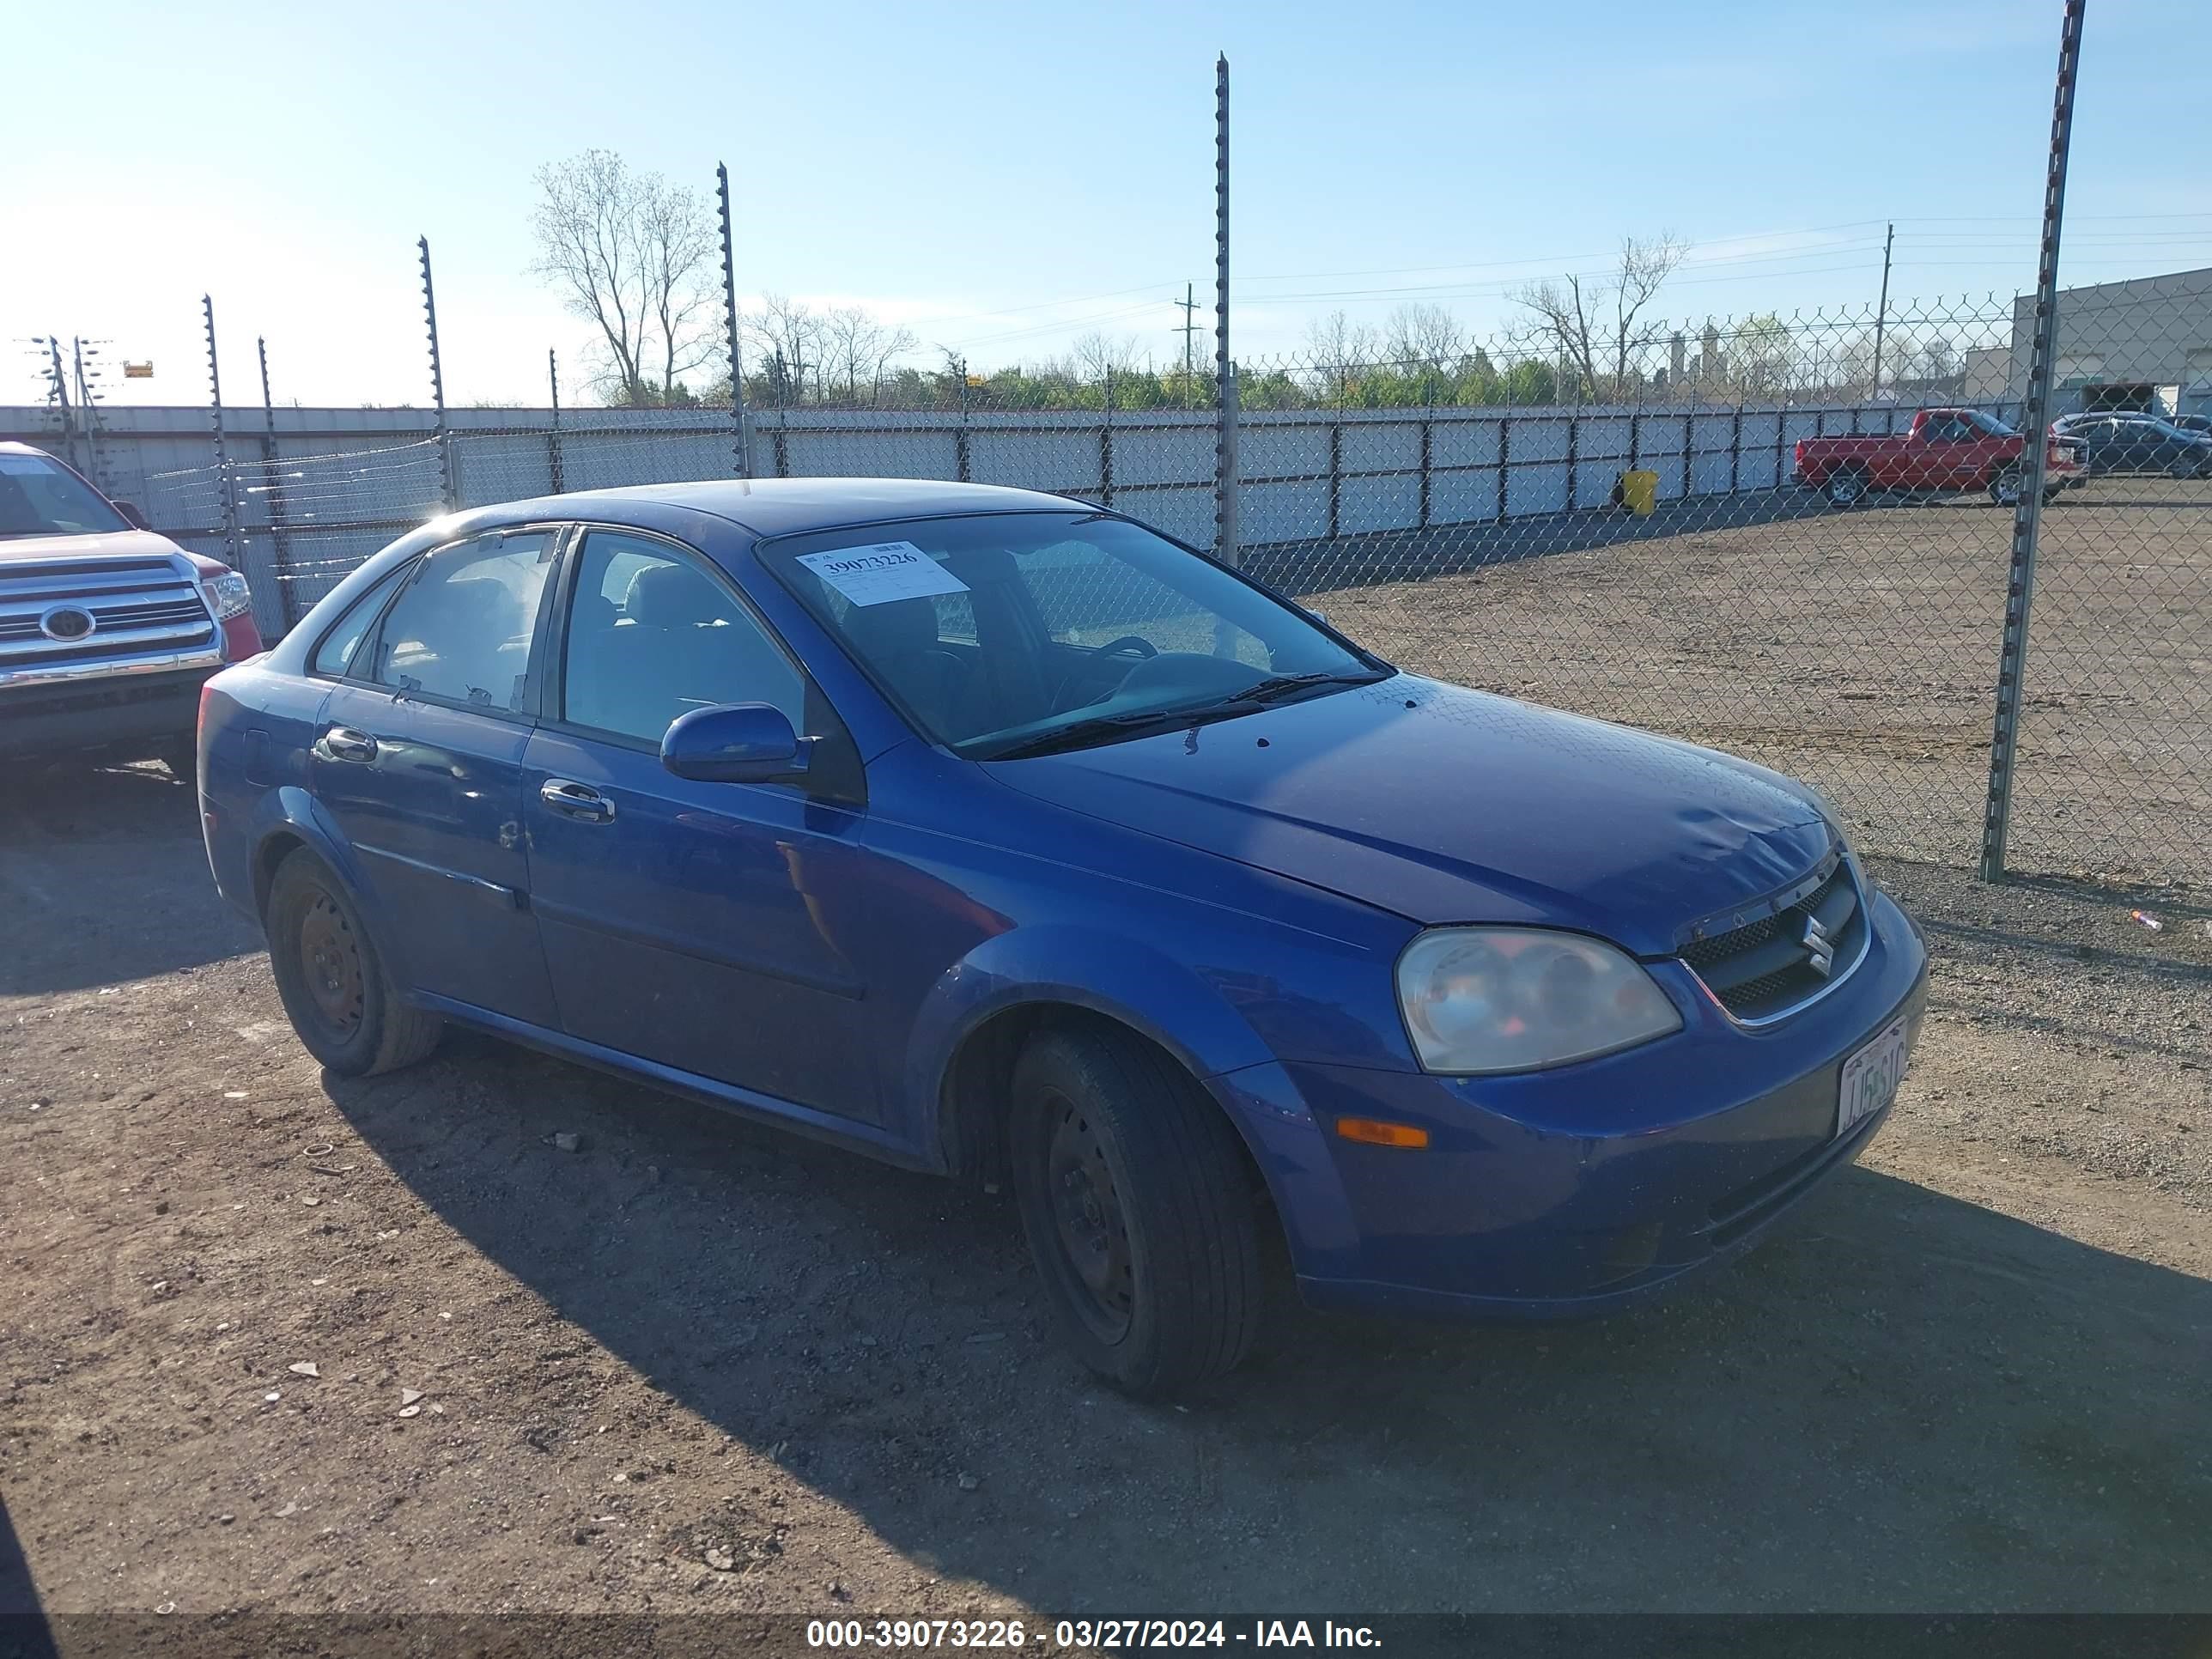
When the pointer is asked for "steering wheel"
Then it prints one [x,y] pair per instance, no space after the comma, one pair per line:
[1144,648]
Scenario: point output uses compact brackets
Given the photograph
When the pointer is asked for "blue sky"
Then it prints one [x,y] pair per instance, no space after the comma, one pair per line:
[1002,177]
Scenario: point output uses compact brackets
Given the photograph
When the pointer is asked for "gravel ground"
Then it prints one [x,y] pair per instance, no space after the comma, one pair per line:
[695,1365]
[1858,650]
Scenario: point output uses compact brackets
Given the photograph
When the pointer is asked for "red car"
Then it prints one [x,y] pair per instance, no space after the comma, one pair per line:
[1950,450]
[107,631]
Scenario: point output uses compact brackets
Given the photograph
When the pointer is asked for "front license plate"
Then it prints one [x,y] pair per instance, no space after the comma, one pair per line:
[1871,1077]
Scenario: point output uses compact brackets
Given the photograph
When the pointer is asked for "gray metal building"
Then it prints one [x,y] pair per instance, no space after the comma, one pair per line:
[2143,343]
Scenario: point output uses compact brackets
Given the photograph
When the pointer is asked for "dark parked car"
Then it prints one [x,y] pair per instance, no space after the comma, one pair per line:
[2200,424]
[2136,443]
[107,631]
[994,835]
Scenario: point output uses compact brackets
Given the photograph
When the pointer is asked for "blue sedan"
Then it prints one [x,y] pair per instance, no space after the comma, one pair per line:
[992,834]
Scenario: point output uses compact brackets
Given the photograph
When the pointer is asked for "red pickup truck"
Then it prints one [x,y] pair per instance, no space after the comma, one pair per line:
[1946,449]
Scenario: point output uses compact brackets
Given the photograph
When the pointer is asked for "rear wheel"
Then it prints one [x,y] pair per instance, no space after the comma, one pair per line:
[1138,1203]
[333,981]
[2004,487]
[1846,486]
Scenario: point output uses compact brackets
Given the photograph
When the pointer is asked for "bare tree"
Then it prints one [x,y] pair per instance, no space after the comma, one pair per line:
[628,251]
[1098,356]
[1424,334]
[855,347]
[791,339]
[1335,342]
[1590,322]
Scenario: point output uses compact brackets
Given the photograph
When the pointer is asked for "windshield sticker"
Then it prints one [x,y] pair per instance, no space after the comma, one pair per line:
[25,465]
[881,573]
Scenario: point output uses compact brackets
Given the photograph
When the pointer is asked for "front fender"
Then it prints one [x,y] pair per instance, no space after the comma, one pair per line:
[1110,973]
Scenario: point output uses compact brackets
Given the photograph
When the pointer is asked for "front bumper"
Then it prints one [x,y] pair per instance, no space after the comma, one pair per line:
[95,712]
[1575,1190]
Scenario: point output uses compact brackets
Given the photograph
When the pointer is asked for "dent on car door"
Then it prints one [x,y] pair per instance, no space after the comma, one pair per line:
[683,921]
[419,757]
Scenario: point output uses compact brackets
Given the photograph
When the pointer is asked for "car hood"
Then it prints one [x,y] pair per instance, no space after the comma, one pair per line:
[1449,806]
[107,544]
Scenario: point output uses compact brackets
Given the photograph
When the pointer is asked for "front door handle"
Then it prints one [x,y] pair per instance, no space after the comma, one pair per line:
[576,800]
[342,743]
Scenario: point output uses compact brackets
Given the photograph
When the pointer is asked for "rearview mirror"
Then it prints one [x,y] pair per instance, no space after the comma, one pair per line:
[734,743]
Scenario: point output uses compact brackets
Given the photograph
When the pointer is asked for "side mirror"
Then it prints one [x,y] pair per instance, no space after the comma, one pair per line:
[131,515]
[734,743]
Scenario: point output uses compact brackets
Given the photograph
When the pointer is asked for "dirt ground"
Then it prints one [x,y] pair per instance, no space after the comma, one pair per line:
[695,1365]
[1860,650]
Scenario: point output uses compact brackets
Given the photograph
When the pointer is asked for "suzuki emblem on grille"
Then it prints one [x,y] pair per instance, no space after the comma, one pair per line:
[67,623]
[1819,949]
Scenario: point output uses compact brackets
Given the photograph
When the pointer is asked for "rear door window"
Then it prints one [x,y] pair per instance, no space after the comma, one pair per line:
[461,631]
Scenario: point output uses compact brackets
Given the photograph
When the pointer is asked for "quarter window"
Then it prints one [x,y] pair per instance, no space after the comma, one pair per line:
[337,647]
[652,636]
[461,630]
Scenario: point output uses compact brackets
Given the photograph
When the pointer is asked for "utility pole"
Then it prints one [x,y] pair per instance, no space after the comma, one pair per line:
[1189,333]
[1881,313]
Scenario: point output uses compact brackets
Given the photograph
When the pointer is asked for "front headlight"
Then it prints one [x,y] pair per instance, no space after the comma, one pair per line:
[227,595]
[1484,1000]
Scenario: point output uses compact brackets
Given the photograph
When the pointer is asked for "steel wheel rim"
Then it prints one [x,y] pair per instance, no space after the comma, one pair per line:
[330,967]
[1845,489]
[1089,1226]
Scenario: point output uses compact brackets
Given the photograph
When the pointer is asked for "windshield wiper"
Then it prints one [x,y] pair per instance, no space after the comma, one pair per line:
[1104,728]
[1278,686]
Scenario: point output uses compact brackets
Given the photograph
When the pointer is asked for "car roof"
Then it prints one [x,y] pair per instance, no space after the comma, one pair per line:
[10,446]
[785,506]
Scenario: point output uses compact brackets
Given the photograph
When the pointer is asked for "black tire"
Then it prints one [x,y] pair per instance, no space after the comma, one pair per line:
[332,981]
[1846,486]
[1138,1203]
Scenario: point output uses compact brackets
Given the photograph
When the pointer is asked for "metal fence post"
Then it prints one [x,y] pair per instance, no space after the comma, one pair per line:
[1428,424]
[1689,454]
[960,441]
[448,498]
[1106,445]
[730,317]
[233,550]
[1336,476]
[2027,510]
[1735,450]
[278,538]
[1505,461]
[1227,482]
[1574,458]
[553,456]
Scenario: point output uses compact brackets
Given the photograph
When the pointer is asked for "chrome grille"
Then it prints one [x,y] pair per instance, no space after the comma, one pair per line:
[138,606]
[1765,969]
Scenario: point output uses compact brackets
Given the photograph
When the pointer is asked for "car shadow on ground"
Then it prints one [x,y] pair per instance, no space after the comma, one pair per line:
[80,916]
[24,1633]
[1900,1401]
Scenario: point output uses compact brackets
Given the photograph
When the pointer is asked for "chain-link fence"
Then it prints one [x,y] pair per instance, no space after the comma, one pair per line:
[1788,537]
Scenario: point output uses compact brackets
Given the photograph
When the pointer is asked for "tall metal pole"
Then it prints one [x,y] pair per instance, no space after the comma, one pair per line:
[230,539]
[1225,547]
[2027,509]
[278,523]
[59,378]
[448,498]
[743,456]
[553,456]
[1881,312]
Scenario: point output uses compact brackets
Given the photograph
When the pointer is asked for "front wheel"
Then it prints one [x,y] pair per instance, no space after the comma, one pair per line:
[330,978]
[1138,1203]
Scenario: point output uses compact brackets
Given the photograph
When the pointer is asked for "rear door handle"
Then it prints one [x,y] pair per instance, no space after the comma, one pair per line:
[342,743]
[576,800]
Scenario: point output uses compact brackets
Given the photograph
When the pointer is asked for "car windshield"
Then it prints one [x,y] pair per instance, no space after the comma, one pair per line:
[1016,633]
[41,497]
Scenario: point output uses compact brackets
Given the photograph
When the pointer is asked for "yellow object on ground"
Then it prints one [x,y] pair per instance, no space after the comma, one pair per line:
[1639,492]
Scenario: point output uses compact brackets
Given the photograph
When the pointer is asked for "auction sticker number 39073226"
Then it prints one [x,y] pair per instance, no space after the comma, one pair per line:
[1870,1078]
